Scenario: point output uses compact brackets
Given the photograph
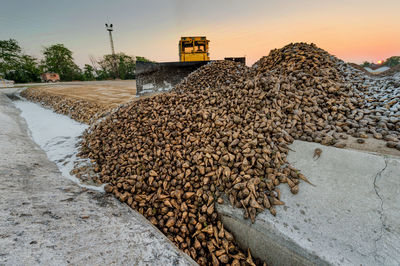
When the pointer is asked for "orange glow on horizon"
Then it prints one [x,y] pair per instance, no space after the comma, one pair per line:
[347,29]
[346,38]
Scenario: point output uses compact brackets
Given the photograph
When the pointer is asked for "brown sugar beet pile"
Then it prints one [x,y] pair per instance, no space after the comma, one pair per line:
[224,131]
[310,91]
[79,110]
[164,157]
[329,99]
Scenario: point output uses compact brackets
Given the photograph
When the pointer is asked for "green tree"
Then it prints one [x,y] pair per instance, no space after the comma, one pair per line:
[9,56]
[392,61]
[142,59]
[9,50]
[88,72]
[26,70]
[125,66]
[102,74]
[15,65]
[366,64]
[58,59]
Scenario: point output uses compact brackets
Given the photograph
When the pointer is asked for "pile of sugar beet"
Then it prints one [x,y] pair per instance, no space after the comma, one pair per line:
[78,109]
[223,134]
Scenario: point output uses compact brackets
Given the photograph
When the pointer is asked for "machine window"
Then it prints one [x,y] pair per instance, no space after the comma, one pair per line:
[199,47]
[187,47]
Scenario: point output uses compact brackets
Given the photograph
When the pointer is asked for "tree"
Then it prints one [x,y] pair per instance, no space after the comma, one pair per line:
[366,64]
[9,55]
[88,72]
[392,61]
[9,50]
[58,59]
[15,65]
[26,70]
[142,59]
[125,66]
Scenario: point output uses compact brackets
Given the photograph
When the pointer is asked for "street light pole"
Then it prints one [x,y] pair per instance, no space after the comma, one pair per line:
[110,29]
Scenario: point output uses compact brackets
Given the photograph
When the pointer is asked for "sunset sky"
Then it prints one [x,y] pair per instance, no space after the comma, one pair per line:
[353,30]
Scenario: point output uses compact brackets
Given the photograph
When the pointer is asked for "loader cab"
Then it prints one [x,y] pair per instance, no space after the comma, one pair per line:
[193,49]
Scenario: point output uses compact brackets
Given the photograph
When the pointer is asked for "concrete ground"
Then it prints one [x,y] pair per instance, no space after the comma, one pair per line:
[48,220]
[371,145]
[350,217]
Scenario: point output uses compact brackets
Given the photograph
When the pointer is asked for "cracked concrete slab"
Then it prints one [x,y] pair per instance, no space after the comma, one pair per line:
[387,186]
[350,217]
[45,219]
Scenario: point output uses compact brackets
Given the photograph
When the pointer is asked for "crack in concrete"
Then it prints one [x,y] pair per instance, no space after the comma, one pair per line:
[379,174]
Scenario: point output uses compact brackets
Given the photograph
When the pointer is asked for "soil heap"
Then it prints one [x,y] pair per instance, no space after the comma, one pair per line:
[223,133]
[79,110]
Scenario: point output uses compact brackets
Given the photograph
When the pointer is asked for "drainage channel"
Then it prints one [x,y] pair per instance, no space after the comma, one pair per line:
[58,135]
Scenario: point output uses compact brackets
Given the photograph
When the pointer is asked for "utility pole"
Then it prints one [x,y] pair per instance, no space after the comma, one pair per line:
[115,66]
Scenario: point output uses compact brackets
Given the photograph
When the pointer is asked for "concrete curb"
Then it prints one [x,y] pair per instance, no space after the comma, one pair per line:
[265,241]
[350,217]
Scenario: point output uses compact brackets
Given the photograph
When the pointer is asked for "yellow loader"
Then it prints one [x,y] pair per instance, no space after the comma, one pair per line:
[193,53]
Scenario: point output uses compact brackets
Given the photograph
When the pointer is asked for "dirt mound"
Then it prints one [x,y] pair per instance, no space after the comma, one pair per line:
[80,110]
[225,131]
[299,57]
[169,167]
[214,75]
